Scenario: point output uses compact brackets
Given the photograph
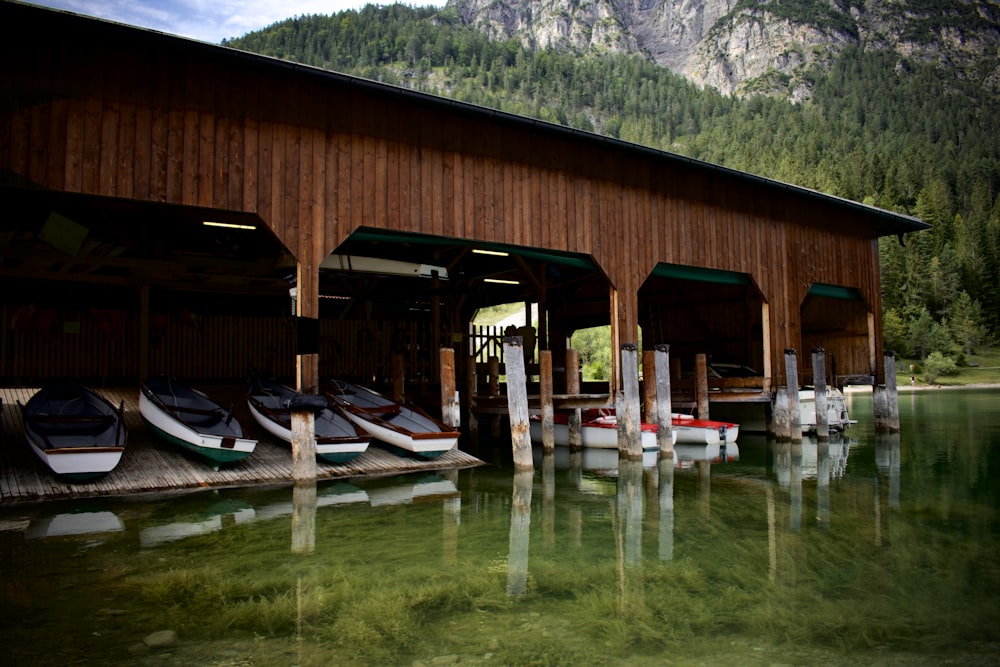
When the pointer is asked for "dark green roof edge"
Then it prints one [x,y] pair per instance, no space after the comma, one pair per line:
[684,272]
[371,234]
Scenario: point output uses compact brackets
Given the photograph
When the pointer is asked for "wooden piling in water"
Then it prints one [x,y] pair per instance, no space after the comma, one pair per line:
[572,388]
[303,445]
[819,387]
[792,384]
[664,408]
[517,403]
[628,412]
[701,384]
[886,398]
[548,425]
[451,413]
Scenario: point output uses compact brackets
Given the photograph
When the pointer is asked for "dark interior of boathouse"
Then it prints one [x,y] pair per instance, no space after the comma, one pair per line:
[313,181]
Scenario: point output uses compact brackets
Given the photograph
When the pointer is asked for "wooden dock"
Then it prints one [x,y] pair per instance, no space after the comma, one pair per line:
[150,465]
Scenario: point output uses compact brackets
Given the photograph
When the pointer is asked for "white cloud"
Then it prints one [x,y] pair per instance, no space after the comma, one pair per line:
[205,20]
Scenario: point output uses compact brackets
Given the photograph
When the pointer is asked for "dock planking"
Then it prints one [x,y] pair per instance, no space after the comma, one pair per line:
[150,465]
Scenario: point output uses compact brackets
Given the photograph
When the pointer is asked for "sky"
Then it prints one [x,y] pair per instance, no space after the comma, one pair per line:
[207,20]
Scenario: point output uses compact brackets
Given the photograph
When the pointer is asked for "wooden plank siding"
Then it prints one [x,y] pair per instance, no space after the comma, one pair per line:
[317,155]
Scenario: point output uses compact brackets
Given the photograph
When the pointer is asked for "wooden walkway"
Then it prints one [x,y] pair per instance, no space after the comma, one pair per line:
[152,465]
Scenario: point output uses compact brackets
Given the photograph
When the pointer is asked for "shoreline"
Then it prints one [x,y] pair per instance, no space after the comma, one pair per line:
[902,388]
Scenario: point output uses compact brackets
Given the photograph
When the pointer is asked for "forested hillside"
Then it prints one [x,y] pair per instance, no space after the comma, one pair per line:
[906,136]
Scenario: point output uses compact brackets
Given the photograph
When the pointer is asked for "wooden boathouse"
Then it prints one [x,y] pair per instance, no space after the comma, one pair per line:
[173,206]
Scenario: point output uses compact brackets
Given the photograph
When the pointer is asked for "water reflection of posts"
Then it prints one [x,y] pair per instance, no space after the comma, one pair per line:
[517,403]
[705,488]
[630,508]
[520,525]
[452,518]
[304,517]
[666,532]
[887,463]
[795,520]
[823,466]
[549,498]
[575,477]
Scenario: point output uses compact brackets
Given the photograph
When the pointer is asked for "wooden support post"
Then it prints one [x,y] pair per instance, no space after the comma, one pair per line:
[701,385]
[573,388]
[303,445]
[493,364]
[450,411]
[398,377]
[630,427]
[777,424]
[649,386]
[548,426]
[471,392]
[886,398]
[664,409]
[143,333]
[819,386]
[792,385]
[517,403]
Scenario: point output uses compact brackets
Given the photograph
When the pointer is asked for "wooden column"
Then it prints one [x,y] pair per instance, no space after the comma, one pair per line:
[886,398]
[819,386]
[517,403]
[573,388]
[493,364]
[628,412]
[471,392]
[398,377]
[664,408]
[143,333]
[792,385]
[450,408]
[548,427]
[701,385]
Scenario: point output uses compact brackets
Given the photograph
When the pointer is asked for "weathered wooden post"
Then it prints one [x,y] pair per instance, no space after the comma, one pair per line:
[886,398]
[701,385]
[548,426]
[778,423]
[628,413]
[471,392]
[304,408]
[451,413]
[493,366]
[649,386]
[517,403]
[573,388]
[819,387]
[664,408]
[792,384]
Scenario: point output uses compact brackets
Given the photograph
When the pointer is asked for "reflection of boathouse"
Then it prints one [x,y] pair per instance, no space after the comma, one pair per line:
[162,196]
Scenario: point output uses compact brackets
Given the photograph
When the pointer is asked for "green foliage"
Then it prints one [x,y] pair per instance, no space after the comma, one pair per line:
[937,365]
[894,132]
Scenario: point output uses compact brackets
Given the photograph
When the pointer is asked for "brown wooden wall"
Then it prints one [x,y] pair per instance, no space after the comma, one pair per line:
[316,156]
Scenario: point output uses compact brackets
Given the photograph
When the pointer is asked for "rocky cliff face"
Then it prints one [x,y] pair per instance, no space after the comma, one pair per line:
[753,46]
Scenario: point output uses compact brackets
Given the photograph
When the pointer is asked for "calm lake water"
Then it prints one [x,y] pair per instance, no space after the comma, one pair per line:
[874,550]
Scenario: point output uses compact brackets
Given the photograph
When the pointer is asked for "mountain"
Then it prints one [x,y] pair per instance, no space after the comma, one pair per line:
[753,46]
